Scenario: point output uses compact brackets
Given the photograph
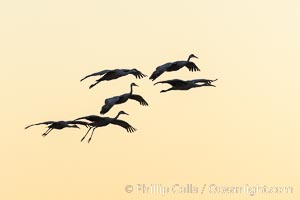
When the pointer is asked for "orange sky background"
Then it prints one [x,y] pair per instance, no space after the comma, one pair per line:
[244,131]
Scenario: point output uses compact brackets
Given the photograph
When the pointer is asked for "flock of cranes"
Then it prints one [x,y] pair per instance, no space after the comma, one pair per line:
[94,121]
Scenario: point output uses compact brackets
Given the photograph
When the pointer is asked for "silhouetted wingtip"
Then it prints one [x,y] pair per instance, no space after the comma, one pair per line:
[83,79]
[151,78]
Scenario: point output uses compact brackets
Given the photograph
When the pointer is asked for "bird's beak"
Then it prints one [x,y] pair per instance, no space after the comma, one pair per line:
[196,57]
[126,113]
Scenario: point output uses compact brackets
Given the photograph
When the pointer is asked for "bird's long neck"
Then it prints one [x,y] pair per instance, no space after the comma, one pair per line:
[117,116]
[131,89]
[189,58]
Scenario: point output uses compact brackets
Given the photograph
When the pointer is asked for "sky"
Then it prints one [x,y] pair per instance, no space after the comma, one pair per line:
[245,131]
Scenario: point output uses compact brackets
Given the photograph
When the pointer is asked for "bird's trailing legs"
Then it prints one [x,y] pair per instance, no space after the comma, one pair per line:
[97,81]
[166,90]
[91,135]
[86,134]
[208,84]
[48,131]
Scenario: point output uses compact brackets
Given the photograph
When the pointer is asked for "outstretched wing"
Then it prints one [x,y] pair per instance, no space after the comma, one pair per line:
[138,74]
[108,104]
[192,66]
[92,118]
[159,70]
[46,123]
[202,81]
[112,100]
[140,99]
[124,124]
[173,82]
[97,74]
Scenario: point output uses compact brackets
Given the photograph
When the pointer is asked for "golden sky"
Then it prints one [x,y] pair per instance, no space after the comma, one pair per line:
[244,131]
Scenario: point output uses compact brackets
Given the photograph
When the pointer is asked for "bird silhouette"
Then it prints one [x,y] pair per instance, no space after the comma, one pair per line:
[178,84]
[174,66]
[114,74]
[110,102]
[97,121]
[58,125]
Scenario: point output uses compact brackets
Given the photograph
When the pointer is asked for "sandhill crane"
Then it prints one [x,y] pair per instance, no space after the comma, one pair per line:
[114,74]
[59,125]
[97,121]
[178,84]
[110,102]
[174,66]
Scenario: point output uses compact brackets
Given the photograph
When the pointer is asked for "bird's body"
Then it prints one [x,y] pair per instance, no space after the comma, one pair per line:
[114,74]
[174,66]
[97,121]
[178,84]
[58,125]
[91,118]
[110,102]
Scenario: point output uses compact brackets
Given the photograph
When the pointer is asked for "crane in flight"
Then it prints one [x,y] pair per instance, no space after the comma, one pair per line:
[114,74]
[178,84]
[174,66]
[98,121]
[110,102]
[58,125]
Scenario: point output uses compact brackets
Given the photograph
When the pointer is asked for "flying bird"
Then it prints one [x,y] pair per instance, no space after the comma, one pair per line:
[59,125]
[110,102]
[97,121]
[178,84]
[114,74]
[174,66]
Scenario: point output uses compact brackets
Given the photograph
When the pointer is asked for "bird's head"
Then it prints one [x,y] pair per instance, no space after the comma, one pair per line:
[133,84]
[122,112]
[192,56]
